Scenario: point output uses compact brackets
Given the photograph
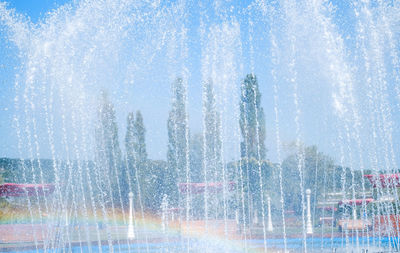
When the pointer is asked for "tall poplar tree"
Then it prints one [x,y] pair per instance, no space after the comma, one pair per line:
[140,144]
[213,164]
[108,151]
[253,151]
[196,157]
[141,163]
[212,137]
[252,120]
[130,151]
[171,175]
[177,154]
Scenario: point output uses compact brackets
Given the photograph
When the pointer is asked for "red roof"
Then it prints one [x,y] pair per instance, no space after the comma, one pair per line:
[21,190]
[201,187]
[384,180]
[357,202]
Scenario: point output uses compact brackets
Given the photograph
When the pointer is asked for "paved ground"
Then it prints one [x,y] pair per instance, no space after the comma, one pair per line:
[23,237]
[26,235]
[19,233]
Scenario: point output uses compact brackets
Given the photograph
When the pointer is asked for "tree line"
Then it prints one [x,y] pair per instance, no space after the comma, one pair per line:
[197,158]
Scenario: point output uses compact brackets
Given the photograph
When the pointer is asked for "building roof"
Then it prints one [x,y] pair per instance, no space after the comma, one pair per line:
[356,202]
[23,190]
[384,180]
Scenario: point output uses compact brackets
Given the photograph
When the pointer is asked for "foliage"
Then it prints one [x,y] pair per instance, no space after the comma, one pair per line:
[152,182]
[200,155]
[248,179]
[252,120]
[108,152]
[213,161]
[317,170]
[196,158]
[140,143]
[130,154]
[212,137]
[253,152]
[136,154]
[145,175]
[24,170]
[178,133]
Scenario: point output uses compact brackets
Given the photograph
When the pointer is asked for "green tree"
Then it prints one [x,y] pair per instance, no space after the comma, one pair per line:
[213,162]
[196,158]
[317,174]
[178,133]
[248,179]
[1,175]
[108,152]
[144,173]
[171,177]
[252,120]
[155,177]
[253,168]
[140,144]
[213,144]
[130,153]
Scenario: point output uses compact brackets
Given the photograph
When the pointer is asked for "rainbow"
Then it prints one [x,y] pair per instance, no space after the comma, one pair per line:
[192,231]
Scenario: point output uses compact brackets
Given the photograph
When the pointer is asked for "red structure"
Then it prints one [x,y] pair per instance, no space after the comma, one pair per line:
[197,188]
[357,202]
[386,222]
[23,190]
[384,180]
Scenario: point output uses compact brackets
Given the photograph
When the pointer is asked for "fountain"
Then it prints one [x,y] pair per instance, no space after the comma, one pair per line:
[215,126]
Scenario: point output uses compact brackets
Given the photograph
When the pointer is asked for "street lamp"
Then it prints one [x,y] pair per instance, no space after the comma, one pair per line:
[309,229]
[131,233]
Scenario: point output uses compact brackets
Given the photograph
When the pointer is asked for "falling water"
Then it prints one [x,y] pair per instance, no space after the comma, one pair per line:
[313,60]
[258,137]
[17,127]
[292,78]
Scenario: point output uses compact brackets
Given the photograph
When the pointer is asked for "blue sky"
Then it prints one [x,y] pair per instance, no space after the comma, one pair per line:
[35,9]
[149,91]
